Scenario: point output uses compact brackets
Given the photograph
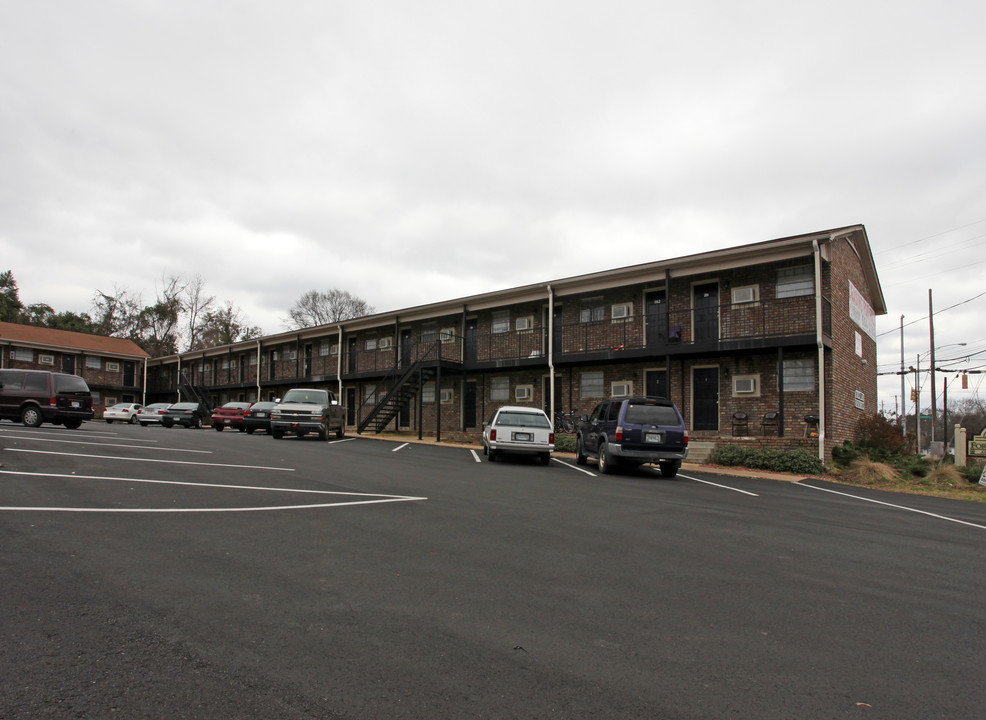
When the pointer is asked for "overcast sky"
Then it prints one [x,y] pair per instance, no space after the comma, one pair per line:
[412,152]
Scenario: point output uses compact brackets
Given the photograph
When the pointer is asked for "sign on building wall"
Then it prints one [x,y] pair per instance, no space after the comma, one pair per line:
[861,312]
[860,400]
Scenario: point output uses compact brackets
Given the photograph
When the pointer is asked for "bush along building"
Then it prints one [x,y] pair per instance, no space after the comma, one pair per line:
[770,343]
[113,368]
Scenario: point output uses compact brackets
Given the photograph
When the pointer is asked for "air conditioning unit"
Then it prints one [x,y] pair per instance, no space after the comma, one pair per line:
[524,323]
[744,295]
[294,354]
[384,343]
[523,392]
[621,389]
[746,385]
[446,395]
[447,334]
[621,311]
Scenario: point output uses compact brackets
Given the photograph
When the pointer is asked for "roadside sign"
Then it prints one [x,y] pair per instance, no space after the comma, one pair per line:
[982,478]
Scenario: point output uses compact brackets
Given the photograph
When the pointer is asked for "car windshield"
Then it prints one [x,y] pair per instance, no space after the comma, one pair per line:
[184,406]
[651,415]
[120,406]
[236,405]
[523,419]
[316,397]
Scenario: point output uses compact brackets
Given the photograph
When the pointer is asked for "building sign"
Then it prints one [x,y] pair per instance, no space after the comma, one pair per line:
[977,446]
[861,312]
[860,400]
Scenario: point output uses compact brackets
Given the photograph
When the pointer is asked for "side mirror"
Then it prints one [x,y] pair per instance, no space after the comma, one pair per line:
[277,400]
[583,418]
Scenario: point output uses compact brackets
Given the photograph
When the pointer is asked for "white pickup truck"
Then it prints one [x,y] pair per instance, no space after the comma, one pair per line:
[308,410]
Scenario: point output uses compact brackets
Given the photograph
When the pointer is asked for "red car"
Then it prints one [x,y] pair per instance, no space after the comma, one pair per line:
[230,415]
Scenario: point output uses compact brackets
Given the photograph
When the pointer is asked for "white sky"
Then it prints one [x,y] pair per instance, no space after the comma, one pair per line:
[418,152]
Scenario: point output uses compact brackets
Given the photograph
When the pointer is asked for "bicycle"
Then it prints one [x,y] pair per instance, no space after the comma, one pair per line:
[565,421]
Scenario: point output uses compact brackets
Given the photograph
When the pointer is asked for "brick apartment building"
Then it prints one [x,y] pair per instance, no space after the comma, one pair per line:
[112,367]
[774,332]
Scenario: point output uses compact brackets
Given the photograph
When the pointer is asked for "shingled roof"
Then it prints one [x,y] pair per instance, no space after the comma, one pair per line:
[66,340]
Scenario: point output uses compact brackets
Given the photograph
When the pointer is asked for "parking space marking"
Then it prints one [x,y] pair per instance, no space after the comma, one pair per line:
[151,460]
[475,455]
[891,505]
[400,447]
[74,433]
[724,487]
[99,441]
[372,498]
[575,467]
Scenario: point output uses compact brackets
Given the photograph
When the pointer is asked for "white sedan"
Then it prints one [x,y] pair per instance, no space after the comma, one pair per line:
[124,412]
[521,430]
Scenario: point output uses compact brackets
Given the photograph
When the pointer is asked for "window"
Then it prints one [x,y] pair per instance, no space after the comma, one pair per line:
[428,392]
[429,333]
[799,374]
[93,363]
[370,394]
[46,359]
[591,385]
[110,401]
[501,321]
[500,389]
[371,343]
[253,360]
[592,310]
[324,348]
[795,281]
[523,392]
[24,354]
[746,294]
[622,389]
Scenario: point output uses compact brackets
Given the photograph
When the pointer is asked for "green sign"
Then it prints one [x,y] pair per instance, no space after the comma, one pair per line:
[977,446]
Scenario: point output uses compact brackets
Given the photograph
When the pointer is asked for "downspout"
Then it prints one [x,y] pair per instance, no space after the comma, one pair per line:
[143,396]
[551,355]
[339,365]
[259,396]
[178,379]
[821,349]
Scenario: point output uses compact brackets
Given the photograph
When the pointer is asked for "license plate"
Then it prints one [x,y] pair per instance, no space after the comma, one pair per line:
[75,403]
[226,420]
[527,437]
[260,415]
[654,437]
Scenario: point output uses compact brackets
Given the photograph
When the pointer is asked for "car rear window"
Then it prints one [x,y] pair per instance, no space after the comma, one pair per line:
[70,384]
[651,415]
[522,419]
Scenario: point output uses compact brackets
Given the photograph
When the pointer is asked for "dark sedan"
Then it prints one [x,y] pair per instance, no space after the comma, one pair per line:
[258,417]
[186,414]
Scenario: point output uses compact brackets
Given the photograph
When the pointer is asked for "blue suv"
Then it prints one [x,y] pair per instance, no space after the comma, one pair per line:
[633,431]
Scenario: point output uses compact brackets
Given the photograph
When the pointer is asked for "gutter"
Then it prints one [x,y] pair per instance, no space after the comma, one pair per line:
[821,349]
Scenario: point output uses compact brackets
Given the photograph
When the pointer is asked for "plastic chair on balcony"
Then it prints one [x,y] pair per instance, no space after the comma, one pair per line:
[811,426]
[741,422]
[674,333]
[770,420]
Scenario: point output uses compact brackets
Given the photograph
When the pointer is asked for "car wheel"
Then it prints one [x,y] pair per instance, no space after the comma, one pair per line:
[248,431]
[341,432]
[323,433]
[605,462]
[669,469]
[219,427]
[485,449]
[133,419]
[108,421]
[277,434]
[167,424]
[580,456]
[545,458]
[491,455]
[31,416]
[241,428]
[144,424]
[197,423]
[73,424]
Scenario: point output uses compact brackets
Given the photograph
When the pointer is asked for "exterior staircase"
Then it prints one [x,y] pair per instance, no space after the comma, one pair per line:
[407,386]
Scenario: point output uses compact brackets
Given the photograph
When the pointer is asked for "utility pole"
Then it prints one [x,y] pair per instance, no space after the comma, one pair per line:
[917,405]
[903,401]
[931,325]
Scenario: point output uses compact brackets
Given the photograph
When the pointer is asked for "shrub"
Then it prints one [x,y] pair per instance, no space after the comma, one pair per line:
[564,443]
[793,461]
[868,472]
[878,433]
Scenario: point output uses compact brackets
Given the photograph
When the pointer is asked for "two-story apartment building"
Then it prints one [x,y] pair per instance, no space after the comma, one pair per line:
[779,332]
[112,367]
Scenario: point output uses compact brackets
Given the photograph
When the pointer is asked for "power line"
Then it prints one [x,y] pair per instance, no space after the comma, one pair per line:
[937,312]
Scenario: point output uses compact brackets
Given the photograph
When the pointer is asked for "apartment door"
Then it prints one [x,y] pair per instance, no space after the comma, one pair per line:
[656,317]
[129,374]
[353,354]
[406,348]
[68,364]
[469,405]
[546,395]
[308,360]
[705,399]
[705,302]
[556,330]
[351,406]
[656,383]
[472,341]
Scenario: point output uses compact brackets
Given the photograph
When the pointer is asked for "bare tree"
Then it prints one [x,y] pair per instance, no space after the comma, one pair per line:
[195,305]
[320,308]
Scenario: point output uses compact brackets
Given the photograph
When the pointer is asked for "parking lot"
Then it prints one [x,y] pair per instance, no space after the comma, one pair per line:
[152,572]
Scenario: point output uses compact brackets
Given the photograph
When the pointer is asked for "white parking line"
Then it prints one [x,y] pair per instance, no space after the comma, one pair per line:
[575,467]
[99,442]
[373,498]
[724,487]
[896,507]
[74,433]
[475,455]
[400,447]
[131,459]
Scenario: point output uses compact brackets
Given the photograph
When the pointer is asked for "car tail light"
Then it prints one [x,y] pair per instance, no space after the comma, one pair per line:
[492,434]
[551,438]
[686,437]
[53,401]
[619,433]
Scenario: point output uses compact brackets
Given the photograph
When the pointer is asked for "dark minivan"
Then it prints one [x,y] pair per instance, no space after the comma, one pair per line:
[633,431]
[37,396]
